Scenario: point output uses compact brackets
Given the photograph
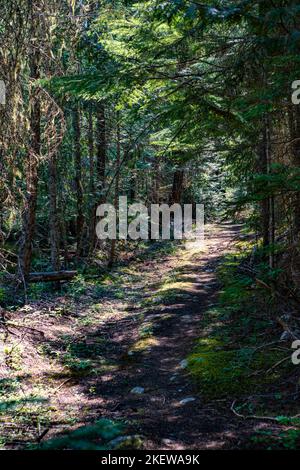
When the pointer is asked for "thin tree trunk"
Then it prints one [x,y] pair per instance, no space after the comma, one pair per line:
[156,181]
[63,224]
[64,240]
[91,150]
[268,204]
[133,178]
[29,213]
[294,118]
[100,166]
[78,181]
[117,184]
[177,188]
[263,168]
[53,215]
[92,195]
[101,147]
[271,202]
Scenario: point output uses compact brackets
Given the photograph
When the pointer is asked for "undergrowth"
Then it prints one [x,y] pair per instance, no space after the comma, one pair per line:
[98,436]
[233,359]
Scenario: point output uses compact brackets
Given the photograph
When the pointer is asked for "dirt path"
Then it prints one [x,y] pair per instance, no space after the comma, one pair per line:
[134,333]
[158,414]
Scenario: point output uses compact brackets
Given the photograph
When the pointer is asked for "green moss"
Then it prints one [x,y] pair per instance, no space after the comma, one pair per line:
[242,318]
[222,372]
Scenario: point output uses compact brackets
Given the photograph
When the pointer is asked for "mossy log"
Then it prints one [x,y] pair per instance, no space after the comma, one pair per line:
[52,276]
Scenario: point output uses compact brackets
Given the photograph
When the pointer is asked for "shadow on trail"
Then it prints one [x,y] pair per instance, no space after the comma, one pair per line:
[115,367]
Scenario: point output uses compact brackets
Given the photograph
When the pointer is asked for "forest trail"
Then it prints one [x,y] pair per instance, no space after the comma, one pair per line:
[164,421]
[133,330]
[171,413]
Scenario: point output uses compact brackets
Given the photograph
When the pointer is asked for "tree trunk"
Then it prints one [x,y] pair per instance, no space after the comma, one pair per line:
[92,193]
[91,151]
[271,201]
[117,184]
[101,147]
[156,181]
[29,212]
[177,188]
[101,167]
[53,215]
[78,181]
[268,204]
[133,178]
[295,137]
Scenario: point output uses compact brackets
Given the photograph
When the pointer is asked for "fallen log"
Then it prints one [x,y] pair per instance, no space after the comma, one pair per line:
[52,276]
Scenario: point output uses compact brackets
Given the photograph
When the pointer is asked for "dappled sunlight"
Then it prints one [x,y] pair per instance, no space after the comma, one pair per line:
[88,359]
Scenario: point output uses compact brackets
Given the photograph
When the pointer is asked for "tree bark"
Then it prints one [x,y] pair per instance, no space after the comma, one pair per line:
[53,215]
[295,137]
[155,196]
[92,193]
[101,147]
[29,212]
[91,151]
[177,188]
[100,166]
[78,181]
[271,201]
[265,203]
[117,184]
[268,204]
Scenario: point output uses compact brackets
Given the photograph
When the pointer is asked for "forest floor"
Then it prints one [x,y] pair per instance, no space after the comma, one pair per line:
[72,359]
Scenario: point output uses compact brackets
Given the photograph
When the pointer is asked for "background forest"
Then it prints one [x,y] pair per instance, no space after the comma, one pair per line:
[174,101]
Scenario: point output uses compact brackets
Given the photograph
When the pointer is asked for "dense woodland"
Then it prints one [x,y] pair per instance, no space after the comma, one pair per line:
[176,101]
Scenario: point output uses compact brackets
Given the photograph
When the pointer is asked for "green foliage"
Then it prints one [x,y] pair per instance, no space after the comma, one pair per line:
[92,437]
[38,290]
[77,287]
[77,366]
[281,179]
[242,316]
[2,295]
[288,439]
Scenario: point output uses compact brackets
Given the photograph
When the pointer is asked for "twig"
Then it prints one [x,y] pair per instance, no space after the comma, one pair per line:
[263,284]
[42,435]
[266,345]
[278,363]
[61,385]
[18,325]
